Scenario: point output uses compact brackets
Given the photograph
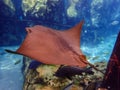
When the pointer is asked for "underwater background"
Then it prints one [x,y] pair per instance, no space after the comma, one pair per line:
[102,24]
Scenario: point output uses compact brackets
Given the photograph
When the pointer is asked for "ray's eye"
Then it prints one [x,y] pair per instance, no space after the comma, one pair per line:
[28,30]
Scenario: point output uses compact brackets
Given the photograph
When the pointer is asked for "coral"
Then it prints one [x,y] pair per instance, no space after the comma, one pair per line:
[9,4]
[71,11]
[43,78]
[36,7]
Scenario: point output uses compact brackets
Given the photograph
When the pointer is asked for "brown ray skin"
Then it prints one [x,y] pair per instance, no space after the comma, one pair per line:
[52,46]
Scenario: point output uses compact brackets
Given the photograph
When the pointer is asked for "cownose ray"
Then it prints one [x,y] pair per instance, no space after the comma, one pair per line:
[52,46]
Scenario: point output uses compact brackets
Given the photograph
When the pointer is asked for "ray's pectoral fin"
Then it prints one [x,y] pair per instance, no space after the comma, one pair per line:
[47,45]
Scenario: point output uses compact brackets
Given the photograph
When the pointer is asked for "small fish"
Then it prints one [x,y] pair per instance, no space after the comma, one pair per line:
[115,22]
[95,57]
[106,53]
[17,62]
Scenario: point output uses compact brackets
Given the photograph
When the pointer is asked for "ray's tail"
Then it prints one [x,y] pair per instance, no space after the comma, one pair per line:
[10,51]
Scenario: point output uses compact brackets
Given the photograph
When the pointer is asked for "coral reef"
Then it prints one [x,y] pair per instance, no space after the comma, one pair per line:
[36,7]
[44,78]
[71,11]
[9,4]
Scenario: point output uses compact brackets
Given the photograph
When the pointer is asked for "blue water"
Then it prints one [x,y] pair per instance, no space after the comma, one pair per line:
[11,77]
[102,24]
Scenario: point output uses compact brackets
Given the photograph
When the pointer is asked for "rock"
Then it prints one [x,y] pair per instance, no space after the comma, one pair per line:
[43,77]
